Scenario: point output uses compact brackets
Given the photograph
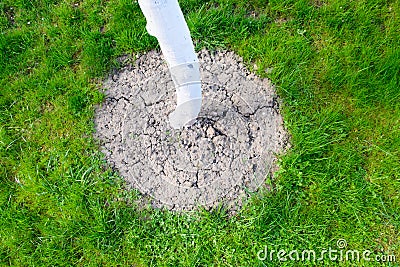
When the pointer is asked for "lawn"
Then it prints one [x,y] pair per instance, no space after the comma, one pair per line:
[336,67]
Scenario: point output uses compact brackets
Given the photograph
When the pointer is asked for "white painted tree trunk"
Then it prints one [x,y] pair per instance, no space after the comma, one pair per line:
[165,21]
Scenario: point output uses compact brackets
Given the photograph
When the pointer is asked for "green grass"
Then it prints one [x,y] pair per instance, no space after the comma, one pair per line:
[336,65]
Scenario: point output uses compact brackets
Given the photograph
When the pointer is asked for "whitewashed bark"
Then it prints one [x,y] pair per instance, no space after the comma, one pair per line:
[165,21]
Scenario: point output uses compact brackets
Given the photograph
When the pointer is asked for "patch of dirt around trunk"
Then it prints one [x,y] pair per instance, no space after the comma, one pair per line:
[225,155]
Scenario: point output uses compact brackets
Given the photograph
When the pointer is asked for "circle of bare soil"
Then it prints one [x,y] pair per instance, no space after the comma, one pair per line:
[228,152]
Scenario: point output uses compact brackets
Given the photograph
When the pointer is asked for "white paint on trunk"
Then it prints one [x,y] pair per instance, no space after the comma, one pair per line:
[165,21]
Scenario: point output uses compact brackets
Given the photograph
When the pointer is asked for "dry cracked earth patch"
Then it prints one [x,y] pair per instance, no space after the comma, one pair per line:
[227,154]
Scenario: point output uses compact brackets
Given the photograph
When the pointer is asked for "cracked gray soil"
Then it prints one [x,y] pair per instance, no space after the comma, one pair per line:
[227,154]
